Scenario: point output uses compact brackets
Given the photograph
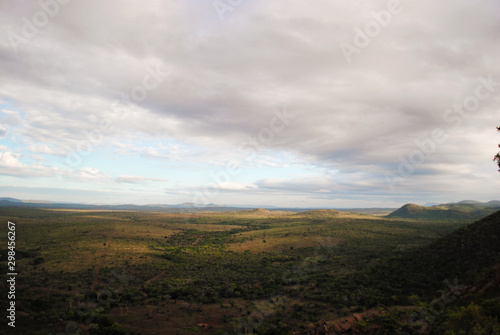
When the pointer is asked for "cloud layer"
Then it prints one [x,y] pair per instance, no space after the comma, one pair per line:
[186,87]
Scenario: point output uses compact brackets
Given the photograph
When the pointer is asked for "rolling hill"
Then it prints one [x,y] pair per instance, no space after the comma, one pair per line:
[464,210]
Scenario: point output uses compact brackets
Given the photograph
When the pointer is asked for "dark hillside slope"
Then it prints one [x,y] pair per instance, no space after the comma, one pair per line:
[461,254]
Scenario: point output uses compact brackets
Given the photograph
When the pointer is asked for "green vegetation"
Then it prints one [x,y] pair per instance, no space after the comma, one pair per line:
[464,210]
[261,272]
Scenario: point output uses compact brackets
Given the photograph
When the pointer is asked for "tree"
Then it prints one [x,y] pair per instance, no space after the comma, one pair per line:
[497,156]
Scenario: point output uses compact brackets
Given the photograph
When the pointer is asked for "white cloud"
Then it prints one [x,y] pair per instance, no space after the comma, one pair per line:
[237,186]
[137,180]
[221,82]
[10,160]
[11,165]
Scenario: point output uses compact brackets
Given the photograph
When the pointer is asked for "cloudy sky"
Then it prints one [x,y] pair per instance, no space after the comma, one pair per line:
[287,103]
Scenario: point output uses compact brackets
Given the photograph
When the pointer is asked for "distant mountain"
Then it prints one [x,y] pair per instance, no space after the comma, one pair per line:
[180,208]
[493,203]
[463,210]
[10,199]
[38,201]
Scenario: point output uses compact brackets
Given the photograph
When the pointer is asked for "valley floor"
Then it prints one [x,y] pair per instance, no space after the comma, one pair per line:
[255,271]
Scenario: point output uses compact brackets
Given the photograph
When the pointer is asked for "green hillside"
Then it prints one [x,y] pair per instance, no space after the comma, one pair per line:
[465,210]
[454,283]
[450,286]
[461,254]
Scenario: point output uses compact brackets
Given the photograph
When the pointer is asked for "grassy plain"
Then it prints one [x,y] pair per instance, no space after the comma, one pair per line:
[121,272]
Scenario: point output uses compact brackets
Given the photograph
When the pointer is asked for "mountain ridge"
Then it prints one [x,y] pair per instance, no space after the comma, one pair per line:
[463,210]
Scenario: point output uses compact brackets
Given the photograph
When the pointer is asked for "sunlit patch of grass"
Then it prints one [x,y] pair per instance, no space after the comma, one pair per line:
[272,243]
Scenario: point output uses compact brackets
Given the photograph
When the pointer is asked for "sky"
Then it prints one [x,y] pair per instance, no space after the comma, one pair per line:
[237,102]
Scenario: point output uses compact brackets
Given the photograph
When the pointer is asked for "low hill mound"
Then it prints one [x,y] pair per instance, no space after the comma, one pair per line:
[322,213]
[261,211]
[258,211]
[408,211]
